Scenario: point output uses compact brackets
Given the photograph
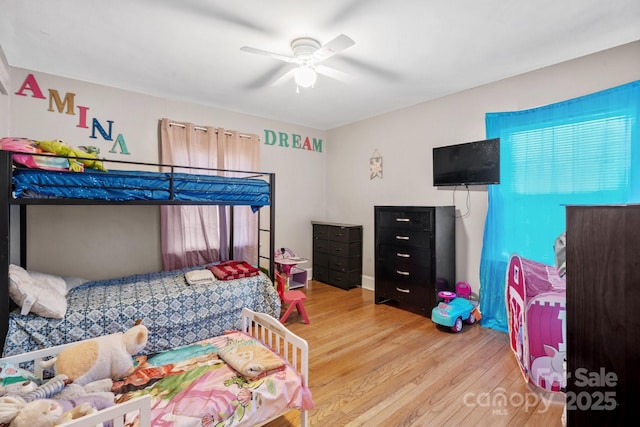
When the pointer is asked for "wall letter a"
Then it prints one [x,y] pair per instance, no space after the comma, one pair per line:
[120,142]
[31,84]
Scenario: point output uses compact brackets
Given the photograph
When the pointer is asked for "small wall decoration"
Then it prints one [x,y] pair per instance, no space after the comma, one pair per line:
[375,165]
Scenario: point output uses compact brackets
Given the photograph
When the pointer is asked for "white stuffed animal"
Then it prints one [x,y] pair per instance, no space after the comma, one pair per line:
[51,412]
[91,397]
[39,413]
[99,358]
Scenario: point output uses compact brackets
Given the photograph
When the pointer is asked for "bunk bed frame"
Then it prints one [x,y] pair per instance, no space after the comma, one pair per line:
[7,201]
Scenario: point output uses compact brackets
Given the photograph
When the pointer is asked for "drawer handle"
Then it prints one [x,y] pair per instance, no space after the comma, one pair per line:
[403,220]
[404,291]
[402,237]
[402,273]
[403,255]
[339,235]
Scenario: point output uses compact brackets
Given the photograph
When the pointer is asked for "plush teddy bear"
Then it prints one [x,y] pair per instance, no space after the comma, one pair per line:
[51,412]
[78,159]
[29,390]
[108,356]
[42,413]
[15,397]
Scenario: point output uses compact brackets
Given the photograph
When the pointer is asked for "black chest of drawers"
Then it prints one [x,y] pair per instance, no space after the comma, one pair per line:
[337,254]
[602,345]
[414,255]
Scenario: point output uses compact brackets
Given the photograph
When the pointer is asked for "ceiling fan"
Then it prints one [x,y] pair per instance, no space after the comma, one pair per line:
[308,53]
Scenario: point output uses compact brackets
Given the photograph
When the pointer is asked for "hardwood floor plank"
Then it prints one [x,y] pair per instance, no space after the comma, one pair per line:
[373,365]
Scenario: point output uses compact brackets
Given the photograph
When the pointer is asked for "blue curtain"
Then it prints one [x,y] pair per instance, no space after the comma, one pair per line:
[581,151]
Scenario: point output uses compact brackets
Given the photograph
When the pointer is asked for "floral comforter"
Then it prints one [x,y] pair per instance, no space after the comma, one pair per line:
[193,386]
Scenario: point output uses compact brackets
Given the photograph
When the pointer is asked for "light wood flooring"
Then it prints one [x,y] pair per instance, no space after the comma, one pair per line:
[373,365]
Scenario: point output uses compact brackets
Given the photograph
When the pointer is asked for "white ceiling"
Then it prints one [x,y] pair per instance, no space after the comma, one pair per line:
[406,51]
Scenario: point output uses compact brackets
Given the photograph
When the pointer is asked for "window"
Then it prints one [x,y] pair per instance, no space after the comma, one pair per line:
[572,159]
[581,151]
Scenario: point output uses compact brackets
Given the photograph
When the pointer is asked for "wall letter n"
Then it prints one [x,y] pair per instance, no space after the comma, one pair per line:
[97,126]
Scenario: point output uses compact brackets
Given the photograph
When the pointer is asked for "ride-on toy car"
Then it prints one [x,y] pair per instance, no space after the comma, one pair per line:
[453,311]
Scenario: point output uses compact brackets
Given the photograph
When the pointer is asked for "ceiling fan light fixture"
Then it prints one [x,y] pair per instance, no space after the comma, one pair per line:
[305,76]
[308,53]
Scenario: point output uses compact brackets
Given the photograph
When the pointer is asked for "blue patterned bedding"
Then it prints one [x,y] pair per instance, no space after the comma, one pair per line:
[175,313]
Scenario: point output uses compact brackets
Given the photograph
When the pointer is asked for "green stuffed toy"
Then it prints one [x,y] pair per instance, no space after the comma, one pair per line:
[77,158]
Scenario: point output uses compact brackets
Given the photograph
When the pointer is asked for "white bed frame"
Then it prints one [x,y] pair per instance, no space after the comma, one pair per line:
[259,325]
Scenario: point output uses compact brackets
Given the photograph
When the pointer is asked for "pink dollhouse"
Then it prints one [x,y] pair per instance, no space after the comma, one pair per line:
[535,299]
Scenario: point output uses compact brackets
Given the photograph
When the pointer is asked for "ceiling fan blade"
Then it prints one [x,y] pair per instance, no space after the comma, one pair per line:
[267,53]
[349,10]
[285,77]
[329,49]
[333,73]
[210,11]
[240,21]
[267,77]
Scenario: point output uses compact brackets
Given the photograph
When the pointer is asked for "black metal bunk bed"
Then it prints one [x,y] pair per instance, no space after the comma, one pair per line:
[165,188]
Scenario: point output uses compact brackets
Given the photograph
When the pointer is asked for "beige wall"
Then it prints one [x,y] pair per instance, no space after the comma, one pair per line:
[333,185]
[111,241]
[405,139]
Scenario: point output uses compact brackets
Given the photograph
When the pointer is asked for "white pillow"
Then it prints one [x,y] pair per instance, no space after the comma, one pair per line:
[48,281]
[42,294]
[74,282]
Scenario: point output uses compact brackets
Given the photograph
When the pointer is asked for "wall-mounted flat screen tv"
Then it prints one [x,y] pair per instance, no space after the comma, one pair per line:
[471,163]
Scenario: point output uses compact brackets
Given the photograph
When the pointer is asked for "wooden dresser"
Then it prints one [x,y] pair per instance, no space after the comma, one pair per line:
[414,255]
[337,254]
[603,316]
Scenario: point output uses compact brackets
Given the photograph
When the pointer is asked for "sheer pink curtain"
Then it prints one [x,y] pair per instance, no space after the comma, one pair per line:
[194,235]
[242,152]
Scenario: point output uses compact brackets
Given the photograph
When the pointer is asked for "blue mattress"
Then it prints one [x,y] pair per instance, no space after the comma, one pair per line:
[141,185]
[175,313]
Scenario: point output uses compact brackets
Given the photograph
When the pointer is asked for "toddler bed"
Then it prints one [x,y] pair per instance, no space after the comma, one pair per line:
[536,306]
[207,383]
[175,312]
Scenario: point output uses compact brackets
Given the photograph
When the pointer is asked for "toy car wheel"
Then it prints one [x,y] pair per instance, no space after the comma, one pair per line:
[457,326]
[472,319]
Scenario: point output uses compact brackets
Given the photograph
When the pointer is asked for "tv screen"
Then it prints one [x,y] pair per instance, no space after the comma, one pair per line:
[471,163]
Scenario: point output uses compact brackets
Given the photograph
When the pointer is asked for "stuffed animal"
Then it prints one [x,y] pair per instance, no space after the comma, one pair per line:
[51,412]
[108,356]
[11,373]
[18,389]
[16,396]
[78,159]
[101,388]
[29,390]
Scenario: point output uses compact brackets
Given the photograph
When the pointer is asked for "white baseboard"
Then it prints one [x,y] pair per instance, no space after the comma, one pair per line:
[368,282]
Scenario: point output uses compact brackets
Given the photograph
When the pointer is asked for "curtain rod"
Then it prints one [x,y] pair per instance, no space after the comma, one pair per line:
[205,129]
